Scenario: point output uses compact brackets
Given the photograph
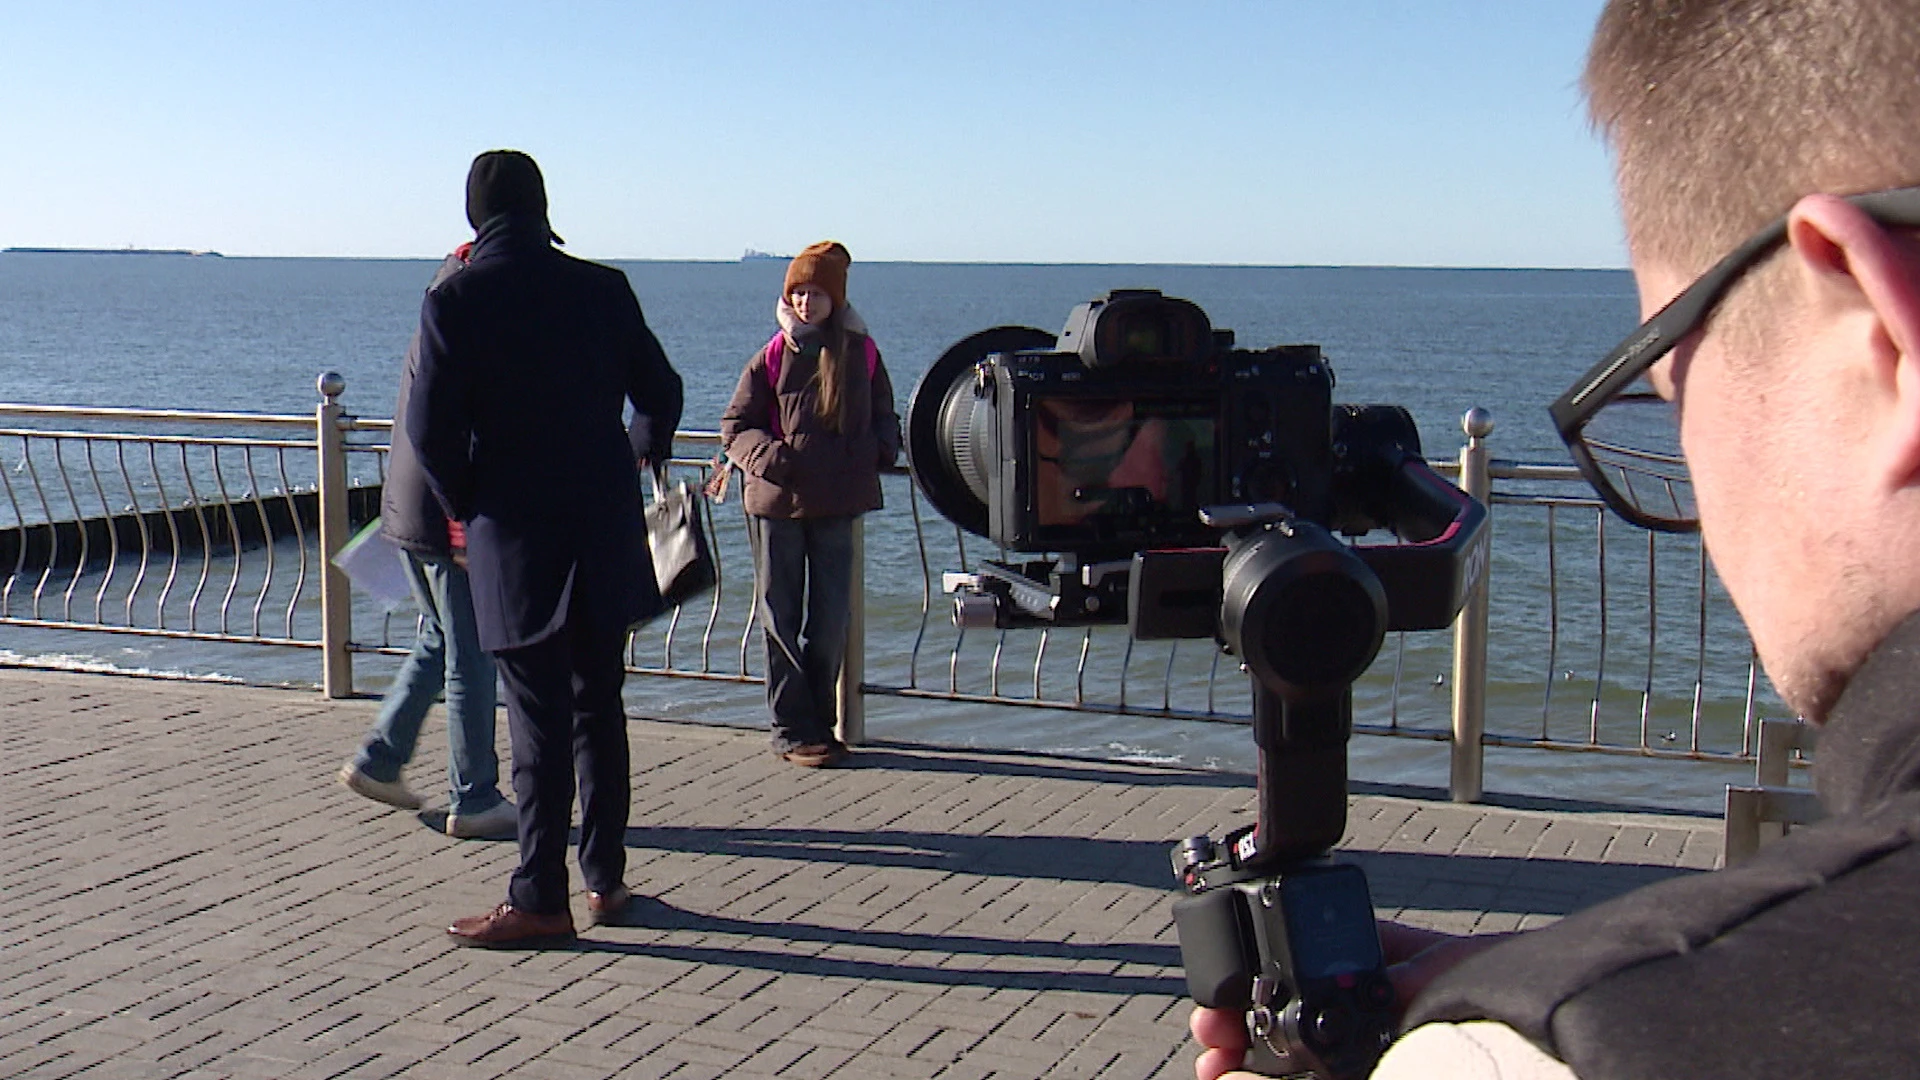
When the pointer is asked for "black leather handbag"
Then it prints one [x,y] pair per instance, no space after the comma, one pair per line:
[682,558]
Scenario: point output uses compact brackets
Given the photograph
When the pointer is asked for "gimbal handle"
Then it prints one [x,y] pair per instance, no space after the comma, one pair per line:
[1302,732]
[1428,577]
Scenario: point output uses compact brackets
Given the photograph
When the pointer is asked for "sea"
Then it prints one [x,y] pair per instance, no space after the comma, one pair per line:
[252,334]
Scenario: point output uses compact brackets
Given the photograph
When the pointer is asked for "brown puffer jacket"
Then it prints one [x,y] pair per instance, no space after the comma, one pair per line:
[808,471]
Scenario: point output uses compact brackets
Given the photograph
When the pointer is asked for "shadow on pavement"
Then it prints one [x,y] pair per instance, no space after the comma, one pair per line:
[1399,879]
[1041,964]
[902,757]
[976,762]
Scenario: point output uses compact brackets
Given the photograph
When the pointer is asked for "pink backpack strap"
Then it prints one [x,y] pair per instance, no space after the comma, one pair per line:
[776,352]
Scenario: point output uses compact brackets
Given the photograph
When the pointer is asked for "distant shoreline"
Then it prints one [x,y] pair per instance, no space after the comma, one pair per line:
[435,259]
[107,251]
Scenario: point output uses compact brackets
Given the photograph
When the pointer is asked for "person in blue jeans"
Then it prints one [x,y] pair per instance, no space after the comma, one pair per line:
[446,652]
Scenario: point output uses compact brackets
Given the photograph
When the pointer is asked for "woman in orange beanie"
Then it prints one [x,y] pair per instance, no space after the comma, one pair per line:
[811,424]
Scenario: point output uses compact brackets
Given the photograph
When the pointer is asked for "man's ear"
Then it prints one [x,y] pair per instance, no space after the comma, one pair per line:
[1865,280]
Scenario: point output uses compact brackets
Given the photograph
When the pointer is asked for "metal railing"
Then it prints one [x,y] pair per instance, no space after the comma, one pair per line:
[221,527]
[194,532]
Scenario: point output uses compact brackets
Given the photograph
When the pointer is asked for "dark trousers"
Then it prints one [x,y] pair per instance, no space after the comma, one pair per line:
[565,722]
[806,589]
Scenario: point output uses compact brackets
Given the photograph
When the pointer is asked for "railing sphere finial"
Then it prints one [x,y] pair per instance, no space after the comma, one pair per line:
[1477,423]
[331,384]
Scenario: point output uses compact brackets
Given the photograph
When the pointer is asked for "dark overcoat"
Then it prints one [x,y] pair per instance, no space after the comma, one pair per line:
[410,515]
[527,357]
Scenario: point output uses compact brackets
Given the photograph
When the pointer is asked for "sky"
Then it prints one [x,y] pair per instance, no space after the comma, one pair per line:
[1278,132]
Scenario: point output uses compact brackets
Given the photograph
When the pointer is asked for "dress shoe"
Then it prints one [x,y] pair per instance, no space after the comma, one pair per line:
[500,821]
[609,906]
[811,755]
[391,792]
[507,927]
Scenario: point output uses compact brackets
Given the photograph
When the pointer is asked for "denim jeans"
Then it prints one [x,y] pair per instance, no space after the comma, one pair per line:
[446,654]
[805,566]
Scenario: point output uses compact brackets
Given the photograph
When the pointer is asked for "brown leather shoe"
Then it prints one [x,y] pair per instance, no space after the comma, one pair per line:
[812,755]
[507,927]
[609,906]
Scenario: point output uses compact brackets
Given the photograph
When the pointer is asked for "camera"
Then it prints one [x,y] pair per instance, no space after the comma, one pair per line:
[1191,489]
[1111,437]
[1125,448]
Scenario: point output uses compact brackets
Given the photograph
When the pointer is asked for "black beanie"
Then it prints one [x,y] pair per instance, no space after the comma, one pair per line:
[505,182]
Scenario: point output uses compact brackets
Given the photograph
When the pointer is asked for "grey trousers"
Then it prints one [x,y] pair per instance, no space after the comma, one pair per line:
[805,567]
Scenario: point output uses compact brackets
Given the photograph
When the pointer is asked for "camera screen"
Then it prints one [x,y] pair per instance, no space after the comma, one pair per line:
[1112,457]
[1330,927]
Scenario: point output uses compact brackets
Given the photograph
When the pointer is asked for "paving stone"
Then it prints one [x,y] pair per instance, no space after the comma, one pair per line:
[193,895]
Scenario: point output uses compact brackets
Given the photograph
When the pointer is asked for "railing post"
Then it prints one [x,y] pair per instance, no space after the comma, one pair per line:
[336,601]
[1470,630]
[852,728]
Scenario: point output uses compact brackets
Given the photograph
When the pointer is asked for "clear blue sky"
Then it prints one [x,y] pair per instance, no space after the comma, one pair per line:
[1278,132]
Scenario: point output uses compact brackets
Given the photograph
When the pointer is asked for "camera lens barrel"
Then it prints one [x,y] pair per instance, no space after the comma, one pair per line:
[949,429]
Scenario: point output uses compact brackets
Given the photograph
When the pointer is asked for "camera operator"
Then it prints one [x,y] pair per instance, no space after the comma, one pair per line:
[1793,369]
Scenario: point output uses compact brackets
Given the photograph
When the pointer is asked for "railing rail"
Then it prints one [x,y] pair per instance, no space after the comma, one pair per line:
[221,527]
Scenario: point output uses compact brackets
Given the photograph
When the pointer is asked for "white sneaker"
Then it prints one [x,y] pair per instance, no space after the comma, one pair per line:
[393,793]
[499,823]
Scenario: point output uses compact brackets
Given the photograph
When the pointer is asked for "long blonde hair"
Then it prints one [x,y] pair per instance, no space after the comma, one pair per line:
[830,404]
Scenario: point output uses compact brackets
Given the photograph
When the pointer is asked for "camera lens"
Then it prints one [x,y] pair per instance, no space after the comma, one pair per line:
[950,427]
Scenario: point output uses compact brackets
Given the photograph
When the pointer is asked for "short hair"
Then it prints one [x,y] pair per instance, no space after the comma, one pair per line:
[1723,113]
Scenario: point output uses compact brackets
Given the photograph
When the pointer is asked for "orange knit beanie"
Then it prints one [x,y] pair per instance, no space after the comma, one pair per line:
[823,264]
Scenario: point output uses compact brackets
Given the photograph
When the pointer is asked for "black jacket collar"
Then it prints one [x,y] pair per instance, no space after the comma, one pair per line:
[1870,747]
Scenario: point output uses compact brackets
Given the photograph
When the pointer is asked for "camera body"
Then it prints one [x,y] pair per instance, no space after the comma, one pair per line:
[1112,439]
[1296,952]
[1142,414]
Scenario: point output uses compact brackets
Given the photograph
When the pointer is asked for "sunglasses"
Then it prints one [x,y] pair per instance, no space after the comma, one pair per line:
[1622,435]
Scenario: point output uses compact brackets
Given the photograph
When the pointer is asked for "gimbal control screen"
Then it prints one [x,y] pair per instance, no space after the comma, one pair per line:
[1116,457]
[1330,927]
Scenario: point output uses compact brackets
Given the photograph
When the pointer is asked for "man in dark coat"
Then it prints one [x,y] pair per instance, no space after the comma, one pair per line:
[527,358]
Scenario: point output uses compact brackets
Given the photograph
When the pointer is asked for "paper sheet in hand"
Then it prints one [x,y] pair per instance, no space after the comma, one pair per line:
[372,563]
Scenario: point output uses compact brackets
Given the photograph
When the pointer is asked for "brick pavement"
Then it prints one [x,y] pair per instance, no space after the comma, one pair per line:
[188,894]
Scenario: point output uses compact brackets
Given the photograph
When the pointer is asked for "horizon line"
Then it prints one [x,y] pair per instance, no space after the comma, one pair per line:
[43,250]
